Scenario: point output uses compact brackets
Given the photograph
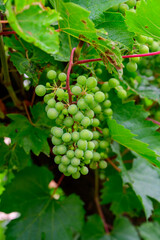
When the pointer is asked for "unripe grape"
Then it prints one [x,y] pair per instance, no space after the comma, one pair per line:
[155,46]
[89,113]
[54,150]
[81,80]
[59,106]
[68,122]
[95,135]
[75,136]
[149,40]
[56,141]
[61,149]
[108,112]
[96,89]
[96,144]
[71,169]
[66,137]
[91,145]
[93,165]
[57,132]
[70,153]
[61,116]
[88,154]
[72,109]
[60,93]
[95,122]
[47,97]
[76,175]
[89,98]
[97,109]
[141,39]
[82,144]
[65,160]
[122,94]
[84,170]
[81,104]
[62,168]
[86,161]
[131,3]
[131,67]
[123,7]
[105,132]
[85,122]
[57,159]
[103,144]
[40,90]
[75,161]
[76,90]
[91,82]
[143,49]
[96,156]
[65,111]
[99,96]
[113,9]
[62,77]
[102,164]
[105,87]
[99,70]
[135,59]
[113,82]
[78,116]
[52,113]
[79,153]
[107,103]
[51,74]
[51,103]
[85,134]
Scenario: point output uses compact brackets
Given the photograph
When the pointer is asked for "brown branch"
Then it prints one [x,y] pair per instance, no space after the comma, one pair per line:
[113,165]
[58,184]
[28,115]
[7,33]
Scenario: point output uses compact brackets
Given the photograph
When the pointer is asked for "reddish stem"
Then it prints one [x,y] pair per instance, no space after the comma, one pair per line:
[68,75]
[152,120]
[58,184]
[7,33]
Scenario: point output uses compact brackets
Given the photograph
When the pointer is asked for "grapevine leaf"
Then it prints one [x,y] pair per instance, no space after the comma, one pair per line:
[29,194]
[116,27]
[76,23]
[150,230]
[12,157]
[123,200]
[133,131]
[151,92]
[36,28]
[122,230]
[20,5]
[96,7]
[2,7]
[145,189]
[146,19]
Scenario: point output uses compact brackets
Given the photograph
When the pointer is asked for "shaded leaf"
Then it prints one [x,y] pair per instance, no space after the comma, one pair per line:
[29,194]
[151,92]
[150,230]
[20,5]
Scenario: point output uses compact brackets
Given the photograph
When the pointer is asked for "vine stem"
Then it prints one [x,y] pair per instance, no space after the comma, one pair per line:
[58,184]
[127,56]
[68,75]
[152,120]
[96,197]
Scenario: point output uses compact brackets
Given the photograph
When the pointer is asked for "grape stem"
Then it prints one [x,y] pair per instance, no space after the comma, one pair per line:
[152,120]
[113,165]
[58,184]
[68,76]
[127,56]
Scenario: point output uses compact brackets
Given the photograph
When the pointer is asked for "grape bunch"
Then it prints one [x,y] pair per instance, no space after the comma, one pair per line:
[79,133]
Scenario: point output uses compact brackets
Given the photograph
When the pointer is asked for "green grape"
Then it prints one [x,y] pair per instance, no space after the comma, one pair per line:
[70,153]
[85,134]
[52,113]
[51,103]
[75,161]
[135,59]
[86,122]
[73,109]
[66,137]
[51,74]
[40,90]
[62,168]
[76,175]
[155,46]
[62,77]
[108,112]
[54,150]
[123,7]
[60,93]
[65,111]
[104,155]
[113,9]
[82,80]
[68,122]
[71,169]
[113,82]
[131,66]
[88,154]
[84,170]
[107,103]
[149,40]
[105,87]
[86,161]
[97,109]
[143,49]
[61,149]
[78,116]
[47,97]
[102,164]
[98,71]
[65,160]
[99,96]
[131,3]
[94,90]
[122,94]
[89,113]
[95,122]
[91,82]
[96,144]
[82,144]
[57,132]
[79,153]
[91,145]
[57,159]
[46,108]
[75,136]
[96,156]
[59,106]
[59,121]
[101,117]
[81,104]
[56,141]
[119,88]
[61,116]
[105,132]
[89,98]
[93,165]
[76,90]
[141,39]
[103,144]
[95,135]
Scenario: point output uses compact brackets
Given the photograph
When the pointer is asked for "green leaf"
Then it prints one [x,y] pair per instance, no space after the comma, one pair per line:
[150,230]
[123,199]
[36,28]
[115,26]
[145,182]
[146,19]
[2,7]
[96,7]
[151,92]
[42,217]
[12,157]
[132,130]
[20,5]
[122,230]
[76,23]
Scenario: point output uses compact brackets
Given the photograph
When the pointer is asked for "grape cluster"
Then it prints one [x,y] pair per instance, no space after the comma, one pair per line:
[78,137]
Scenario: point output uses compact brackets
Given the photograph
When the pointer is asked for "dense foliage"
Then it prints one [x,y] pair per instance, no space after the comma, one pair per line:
[80,116]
